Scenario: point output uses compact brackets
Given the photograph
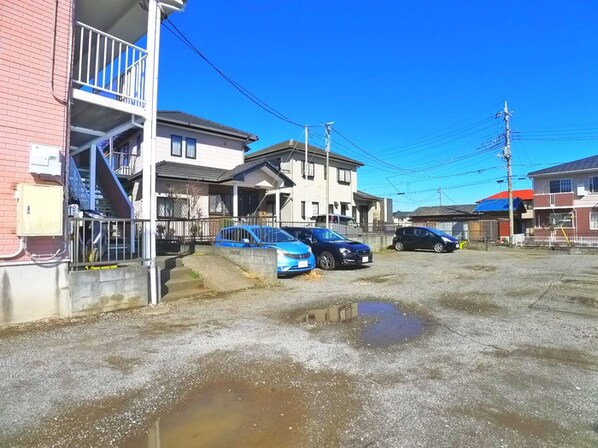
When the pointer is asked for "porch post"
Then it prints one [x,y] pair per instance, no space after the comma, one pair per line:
[236,203]
[277,206]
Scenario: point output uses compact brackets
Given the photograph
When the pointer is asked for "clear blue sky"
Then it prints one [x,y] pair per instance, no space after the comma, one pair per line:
[412,87]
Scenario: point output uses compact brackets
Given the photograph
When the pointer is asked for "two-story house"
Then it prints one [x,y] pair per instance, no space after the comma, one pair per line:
[307,198]
[566,199]
[201,170]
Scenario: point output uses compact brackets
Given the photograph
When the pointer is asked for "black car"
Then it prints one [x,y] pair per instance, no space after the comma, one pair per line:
[409,238]
[330,248]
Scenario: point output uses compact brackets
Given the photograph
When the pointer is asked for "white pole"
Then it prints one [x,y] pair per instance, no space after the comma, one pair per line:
[305,171]
[327,128]
[149,150]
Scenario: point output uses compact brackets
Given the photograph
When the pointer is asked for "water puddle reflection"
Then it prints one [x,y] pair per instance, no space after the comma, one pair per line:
[229,416]
[379,324]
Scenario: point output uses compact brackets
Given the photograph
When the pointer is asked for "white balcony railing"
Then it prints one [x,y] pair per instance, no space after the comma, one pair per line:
[108,66]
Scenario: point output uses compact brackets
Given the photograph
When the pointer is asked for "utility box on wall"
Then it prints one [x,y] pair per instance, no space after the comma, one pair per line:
[45,159]
[39,210]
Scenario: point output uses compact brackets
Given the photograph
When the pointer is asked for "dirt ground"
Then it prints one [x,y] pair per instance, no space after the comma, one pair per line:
[469,349]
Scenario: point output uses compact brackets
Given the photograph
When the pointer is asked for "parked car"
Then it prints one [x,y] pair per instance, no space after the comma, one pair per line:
[293,256]
[410,238]
[345,225]
[332,249]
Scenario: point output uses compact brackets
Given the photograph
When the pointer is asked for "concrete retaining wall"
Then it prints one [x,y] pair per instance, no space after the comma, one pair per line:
[102,290]
[30,292]
[261,262]
[376,241]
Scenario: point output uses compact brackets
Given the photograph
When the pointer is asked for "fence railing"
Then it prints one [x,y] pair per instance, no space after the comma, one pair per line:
[109,66]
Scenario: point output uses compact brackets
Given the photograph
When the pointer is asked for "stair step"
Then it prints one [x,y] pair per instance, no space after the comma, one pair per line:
[181,273]
[185,294]
[183,283]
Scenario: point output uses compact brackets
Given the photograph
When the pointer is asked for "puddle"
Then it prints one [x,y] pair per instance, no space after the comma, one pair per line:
[378,324]
[231,416]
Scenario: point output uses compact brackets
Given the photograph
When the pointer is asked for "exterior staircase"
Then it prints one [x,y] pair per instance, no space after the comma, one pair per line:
[178,281]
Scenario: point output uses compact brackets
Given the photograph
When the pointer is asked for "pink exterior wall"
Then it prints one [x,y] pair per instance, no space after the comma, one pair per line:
[35,39]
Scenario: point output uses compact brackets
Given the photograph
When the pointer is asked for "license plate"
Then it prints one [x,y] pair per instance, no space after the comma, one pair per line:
[365,259]
[302,264]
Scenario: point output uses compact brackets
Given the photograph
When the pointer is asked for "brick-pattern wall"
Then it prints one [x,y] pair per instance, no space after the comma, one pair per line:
[35,47]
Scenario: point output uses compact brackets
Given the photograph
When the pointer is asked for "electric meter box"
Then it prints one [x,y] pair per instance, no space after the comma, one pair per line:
[39,210]
[45,160]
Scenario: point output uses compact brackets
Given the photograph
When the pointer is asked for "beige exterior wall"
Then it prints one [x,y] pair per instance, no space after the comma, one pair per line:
[340,192]
[580,184]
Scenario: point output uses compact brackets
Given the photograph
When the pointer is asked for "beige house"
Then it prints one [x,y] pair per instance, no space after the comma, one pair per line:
[307,197]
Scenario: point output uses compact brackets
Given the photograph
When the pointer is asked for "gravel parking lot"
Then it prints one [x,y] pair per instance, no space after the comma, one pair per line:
[473,348]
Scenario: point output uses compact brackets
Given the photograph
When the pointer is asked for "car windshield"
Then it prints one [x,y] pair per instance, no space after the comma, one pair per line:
[440,233]
[327,235]
[273,235]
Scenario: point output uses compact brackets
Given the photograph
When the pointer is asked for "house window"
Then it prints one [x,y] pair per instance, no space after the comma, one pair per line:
[343,209]
[344,175]
[190,148]
[220,203]
[315,208]
[310,169]
[176,145]
[302,209]
[560,186]
[172,207]
[593,220]
[594,184]
[560,220]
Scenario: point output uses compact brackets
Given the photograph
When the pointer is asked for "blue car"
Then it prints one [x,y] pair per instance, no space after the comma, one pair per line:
[292,255]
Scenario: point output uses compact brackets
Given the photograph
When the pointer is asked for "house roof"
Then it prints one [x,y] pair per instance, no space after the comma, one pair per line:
[587,164]
[183,171]
[399,214]
[193,121]
[300,148]
[498,205]
[450,210]
[365,196]
[524,195]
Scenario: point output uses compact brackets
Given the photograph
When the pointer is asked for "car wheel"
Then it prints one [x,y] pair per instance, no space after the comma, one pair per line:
[438,247]
[326,261]
[399,245]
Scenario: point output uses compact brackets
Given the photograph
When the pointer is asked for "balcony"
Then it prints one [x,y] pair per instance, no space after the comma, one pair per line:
[108,67]
[553,200]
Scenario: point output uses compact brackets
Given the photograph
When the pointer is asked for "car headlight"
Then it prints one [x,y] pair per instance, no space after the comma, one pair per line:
[446,240]
[281,253]
[345,251]
[309,249]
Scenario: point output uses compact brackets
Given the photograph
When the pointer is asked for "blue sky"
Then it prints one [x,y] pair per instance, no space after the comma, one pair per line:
[413,88]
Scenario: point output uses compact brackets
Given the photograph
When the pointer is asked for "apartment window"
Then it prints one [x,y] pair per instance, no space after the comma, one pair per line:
[594,184]
[315,208]
[176,145]
[560,186]
[172,207]
[560,220]
[138,144]
[190,144]
[344,175]
[302,209]
[310,169]
[343,209]
[593,220]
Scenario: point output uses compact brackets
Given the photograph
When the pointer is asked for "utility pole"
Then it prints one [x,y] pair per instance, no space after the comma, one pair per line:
[506,154]
[305,169]
[440,196]
[327,129]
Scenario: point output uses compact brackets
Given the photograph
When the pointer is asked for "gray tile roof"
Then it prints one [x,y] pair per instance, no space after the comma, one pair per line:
[449,210]
[363,195]
[299,148]
[587,164]
[186,119]
[183,171]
